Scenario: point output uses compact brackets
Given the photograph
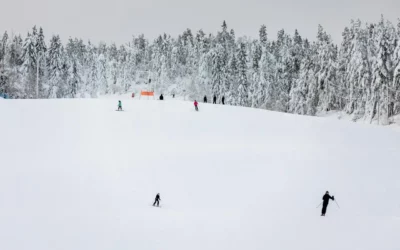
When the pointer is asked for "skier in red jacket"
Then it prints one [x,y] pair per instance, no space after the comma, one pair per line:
[195,105]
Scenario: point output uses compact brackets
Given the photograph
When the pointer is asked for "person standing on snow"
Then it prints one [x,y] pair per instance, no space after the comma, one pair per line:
[157,200]
[215,99]
[325,203]
[223,100]
[205,99]
[119,106]
[195,105]
[161,97]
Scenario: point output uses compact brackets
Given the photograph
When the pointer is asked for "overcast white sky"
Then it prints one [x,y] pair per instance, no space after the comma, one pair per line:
[117,20]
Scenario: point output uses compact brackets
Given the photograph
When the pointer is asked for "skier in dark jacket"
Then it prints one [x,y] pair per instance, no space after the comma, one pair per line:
[325,203]
[157,200]
[215,99]
[161,97]
[223,100]
[205,99]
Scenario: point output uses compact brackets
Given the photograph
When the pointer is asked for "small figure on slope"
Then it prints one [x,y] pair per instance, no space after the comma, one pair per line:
[157,200]
[195,105]
[215,99]
[223,100]
[161,97]
[205,99]
[119,106]
[325,203]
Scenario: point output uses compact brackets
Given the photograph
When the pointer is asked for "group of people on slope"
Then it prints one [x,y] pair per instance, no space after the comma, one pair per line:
[162,97]
[205,101]
[215,99]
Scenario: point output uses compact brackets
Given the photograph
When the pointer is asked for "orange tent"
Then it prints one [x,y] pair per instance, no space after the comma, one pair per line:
[147,93]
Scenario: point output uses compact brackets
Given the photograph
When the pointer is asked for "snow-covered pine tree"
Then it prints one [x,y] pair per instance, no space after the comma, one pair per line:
[358,75]
[14,86]
[232,42]
[29,70]
[41,59]
[384,68]
[74,80]
[243,88]
[281,86]
[300,92]
[102,74]
[263,36]
[218,70]
[263,96]
[396,76]
[4,72]
[233,76]
[3,49]
[54,64]
[255,73]
[325,72]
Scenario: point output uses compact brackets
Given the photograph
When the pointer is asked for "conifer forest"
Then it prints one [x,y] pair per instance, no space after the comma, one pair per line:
[293,74]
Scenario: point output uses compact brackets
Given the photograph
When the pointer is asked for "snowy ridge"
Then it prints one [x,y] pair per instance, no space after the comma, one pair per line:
[76,175]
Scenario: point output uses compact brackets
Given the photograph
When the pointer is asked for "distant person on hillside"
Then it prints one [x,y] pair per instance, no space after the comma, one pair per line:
[161,97]
[119,106]
[157,200]
[223,100]
[325,203]
[196,105]
[173,95]
[205,99]
[215,99]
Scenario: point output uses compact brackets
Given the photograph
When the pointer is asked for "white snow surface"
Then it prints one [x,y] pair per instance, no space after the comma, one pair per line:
[77,175]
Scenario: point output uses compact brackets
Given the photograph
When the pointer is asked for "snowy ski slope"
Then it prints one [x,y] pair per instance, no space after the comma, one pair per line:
[77,175]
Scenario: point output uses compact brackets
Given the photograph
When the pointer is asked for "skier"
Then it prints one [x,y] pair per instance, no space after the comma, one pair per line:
[173,95]
[195,105]
[205,99]
[223,100]
[119,105]
[161,97]
[215,99]
[157,200]
[325,203]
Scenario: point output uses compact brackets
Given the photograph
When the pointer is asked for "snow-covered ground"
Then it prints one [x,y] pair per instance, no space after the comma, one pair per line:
[393,122]
[77,175]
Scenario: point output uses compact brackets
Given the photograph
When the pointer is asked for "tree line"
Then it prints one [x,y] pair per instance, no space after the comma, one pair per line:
[289,74]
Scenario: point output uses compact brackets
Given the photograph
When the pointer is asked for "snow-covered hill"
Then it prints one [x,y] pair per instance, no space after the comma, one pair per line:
[76,175]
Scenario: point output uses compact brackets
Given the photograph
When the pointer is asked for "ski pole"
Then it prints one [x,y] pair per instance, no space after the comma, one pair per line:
[337,204]
[319,205]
